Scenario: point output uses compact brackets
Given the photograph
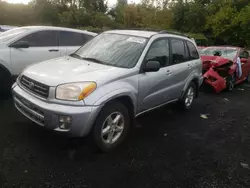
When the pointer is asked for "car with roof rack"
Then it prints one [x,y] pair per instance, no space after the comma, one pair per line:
[102,88]
[23,46]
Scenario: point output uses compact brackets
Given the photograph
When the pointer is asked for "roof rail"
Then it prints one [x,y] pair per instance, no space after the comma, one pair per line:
[143,29]
[174,33]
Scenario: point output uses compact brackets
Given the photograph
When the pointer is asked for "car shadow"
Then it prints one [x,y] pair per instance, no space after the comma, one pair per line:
[151,128]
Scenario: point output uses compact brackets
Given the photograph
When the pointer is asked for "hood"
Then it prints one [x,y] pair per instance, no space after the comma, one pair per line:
[215,60]
[68,69]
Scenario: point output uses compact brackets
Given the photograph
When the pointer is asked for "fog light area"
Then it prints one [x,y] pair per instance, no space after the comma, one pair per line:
[65,122]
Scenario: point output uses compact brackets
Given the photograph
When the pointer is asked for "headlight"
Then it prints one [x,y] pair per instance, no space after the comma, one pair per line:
[75,91]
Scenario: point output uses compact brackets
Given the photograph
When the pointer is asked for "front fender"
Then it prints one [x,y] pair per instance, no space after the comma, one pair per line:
[116,94]
[5,66]
[112,91]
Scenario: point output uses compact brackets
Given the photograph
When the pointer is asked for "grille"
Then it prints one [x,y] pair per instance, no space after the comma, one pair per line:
[35,87]
[29,110]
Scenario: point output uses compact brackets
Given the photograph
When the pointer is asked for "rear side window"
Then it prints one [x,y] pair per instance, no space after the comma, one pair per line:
[193,53]
[86,37]
[41,39]
[178,51]
[159,51]
[71,39]
[244,54]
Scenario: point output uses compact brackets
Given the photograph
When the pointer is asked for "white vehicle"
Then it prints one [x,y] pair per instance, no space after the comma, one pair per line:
[4,28]
[24,46]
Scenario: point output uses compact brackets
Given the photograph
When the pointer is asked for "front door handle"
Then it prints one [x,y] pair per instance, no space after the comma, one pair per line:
[53,50]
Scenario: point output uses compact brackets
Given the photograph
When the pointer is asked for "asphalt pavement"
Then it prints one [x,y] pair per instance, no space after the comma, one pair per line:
[169,148]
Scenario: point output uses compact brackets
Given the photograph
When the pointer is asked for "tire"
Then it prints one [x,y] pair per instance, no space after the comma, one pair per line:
[230,83]
[108,134]
[248,78]
[188,98]
[5,84]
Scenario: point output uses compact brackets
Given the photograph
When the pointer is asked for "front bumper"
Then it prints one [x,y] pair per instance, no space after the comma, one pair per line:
[217,82]
[47,114]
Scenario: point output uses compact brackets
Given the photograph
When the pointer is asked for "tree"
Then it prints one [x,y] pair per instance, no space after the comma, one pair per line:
[222,24]
[179,16]
[242,22]
[224,21]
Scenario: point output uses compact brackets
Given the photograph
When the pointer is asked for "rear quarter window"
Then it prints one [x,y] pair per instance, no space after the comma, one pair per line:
[193,53]
[87,37]
[68,38]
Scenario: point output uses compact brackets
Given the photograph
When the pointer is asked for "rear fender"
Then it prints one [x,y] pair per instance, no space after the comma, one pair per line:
[194,77]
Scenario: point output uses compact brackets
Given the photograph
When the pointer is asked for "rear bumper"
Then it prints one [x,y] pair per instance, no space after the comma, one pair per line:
[47,114]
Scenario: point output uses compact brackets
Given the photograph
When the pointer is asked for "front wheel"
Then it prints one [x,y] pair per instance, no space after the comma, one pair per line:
[111,126]
[188,98]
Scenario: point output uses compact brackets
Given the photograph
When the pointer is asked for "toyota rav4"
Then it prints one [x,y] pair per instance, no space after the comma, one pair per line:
[102,87]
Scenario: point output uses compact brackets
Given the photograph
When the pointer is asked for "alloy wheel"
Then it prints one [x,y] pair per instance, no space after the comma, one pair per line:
[112,128]
[189,97]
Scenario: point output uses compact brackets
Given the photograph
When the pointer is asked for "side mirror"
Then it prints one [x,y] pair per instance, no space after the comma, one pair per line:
[243,60]
[152,66]
[20,44]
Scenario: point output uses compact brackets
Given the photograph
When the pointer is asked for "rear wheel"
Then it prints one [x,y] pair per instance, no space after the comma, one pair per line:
[5,83]
[112,126]
[188,98]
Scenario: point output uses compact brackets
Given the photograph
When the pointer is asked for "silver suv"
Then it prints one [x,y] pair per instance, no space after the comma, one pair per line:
[112,79]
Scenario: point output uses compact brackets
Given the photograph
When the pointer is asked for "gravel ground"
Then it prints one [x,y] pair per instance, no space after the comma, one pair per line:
[168,149]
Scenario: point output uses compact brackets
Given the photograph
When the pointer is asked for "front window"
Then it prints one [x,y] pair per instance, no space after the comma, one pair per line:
[41,39]
[159,51]
[229,53]
[113,49]
[12,33]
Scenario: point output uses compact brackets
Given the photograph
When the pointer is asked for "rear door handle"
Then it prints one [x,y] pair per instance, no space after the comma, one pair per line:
[189,66]
[53,50]
[168,72]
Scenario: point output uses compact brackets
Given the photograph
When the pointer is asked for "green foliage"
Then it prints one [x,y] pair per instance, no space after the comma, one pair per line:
[94,29]
[220,21]
[242,21]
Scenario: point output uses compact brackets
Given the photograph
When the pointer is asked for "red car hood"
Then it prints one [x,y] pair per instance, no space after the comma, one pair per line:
[215,60]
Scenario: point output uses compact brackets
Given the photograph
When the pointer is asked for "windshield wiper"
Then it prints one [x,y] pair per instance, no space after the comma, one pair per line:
[75,56]
[88,59]
[94,60]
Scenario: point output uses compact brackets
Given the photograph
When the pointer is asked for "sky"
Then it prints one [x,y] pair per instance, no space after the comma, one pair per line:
[110,2]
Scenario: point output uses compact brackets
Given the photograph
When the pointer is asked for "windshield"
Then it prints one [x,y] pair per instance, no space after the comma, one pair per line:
[229,53]
[11,33]
[113,49]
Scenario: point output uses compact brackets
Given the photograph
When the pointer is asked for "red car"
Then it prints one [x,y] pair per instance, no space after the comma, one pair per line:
[220,66]
[201,48]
